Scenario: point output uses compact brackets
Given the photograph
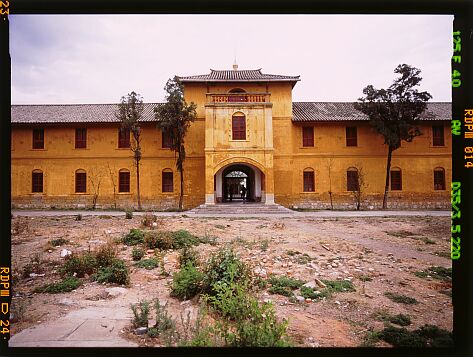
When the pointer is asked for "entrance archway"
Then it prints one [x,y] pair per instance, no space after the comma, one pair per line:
[239,183]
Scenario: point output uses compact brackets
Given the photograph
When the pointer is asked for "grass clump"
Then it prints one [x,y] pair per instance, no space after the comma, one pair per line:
[339,285]
[137,253]
[128,214]
[148,220]
[400,319]
[134,237]
[402,299]
[425,336]
[303,259]
[66,285]
[436,272]
[187,282]
[188,255]
[79,265]
[117,272]
[283,285]
[148,264]
[183,238]
[163,321]
[141,312]
[58,242]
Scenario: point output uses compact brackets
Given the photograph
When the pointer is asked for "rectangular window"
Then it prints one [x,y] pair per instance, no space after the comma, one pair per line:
[437,135]
[81,138]
[439,180]
[309,184]
[351,135]
[238,128]
[168,182]
[307,136]
[352,180]
[123,138]
[124,181]
[166,140]
[38,138]
[37,182]
[396,181]
[81,182]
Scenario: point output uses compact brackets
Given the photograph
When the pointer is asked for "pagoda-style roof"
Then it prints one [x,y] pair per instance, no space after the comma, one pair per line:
[236,75]
[341,111]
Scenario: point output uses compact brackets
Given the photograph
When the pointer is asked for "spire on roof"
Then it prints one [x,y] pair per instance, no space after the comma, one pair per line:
[235,66]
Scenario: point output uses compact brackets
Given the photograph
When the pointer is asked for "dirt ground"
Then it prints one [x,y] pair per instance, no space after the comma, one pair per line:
[387,250]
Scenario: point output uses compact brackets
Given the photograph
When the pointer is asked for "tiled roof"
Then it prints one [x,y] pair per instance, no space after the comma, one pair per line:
[72,113]
[254,75]
[338,111]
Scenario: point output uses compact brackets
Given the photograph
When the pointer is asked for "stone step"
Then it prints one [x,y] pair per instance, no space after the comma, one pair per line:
[241,208]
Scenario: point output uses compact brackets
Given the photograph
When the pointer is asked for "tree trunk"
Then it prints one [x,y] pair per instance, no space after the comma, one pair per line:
[181,195]
[138,183]
[331,201]
[388,170]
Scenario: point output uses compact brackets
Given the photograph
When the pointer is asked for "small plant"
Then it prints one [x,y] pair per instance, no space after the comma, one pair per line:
[137,253]
[106,254]
[188,255]
[58,242]
[260,283]
[183,238]
[68,284]
[402,299]
[163,321]
[134,237]
[148,264]
[34,266]
[79,265]
[128,214]
[303,259]
[18,309]
[400,319]
[339,285]
[116,273]
[284,281]
[436,272]
[78,217]
[428,240]
[365,278]
[281,290]
[310,293]
[140,313]
[148,220]
[264,245]
[220,226]
[291,253]
[158,239]
[425,336]
[152,332]
[186,282]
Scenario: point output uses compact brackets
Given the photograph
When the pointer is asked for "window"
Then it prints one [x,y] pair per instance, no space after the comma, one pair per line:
[351,136]
[123,138]
[168,185]
[38,138]
[439,179]
[238,127]
[307,136]
[81,181]
[166,140]
[352,180]
[124,181]
[396,179]
[309,181]
[37,181]
[81,138]
[437,135]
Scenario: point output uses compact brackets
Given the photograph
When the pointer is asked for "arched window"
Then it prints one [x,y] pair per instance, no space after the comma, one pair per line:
[81,181]
[238,126]
[237,98]
[439,178]
[37,181]
[309,180]
[123,180]
[352,179]
[396,179]
[168,181]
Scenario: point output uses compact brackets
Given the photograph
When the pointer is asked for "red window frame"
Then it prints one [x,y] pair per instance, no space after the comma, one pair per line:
[37,182]
[238,127]
[352,180]
[124,181]
[123,138]
[307,136]
[438,138]
[166,141]
[81,138]
[309,181]
[168,182]
[396,180]
[352,136]
[439,180]
[38,138]
[81,182]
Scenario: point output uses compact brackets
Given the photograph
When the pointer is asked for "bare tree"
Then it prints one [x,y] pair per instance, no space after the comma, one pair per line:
[95,177]
[359,192]
[114,184]
[329,168]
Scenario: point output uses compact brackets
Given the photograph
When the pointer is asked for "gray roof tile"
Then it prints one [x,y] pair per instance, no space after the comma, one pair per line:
[239,76]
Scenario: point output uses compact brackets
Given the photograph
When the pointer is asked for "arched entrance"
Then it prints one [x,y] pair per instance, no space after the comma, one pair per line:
[239,183]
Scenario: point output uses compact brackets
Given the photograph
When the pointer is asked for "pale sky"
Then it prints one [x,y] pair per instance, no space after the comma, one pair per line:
[71,59]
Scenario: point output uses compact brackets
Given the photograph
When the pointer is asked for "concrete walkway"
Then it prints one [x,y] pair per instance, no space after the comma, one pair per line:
[295,214]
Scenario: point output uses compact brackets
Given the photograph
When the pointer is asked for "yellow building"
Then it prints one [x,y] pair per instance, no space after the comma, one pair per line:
[249,136]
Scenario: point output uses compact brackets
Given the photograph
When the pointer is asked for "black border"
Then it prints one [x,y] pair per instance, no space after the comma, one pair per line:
[463,21]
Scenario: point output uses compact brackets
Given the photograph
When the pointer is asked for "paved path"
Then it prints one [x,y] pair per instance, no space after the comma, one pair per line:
[315,214]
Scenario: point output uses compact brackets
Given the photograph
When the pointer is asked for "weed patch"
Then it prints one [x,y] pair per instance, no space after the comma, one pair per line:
[148,264]
[116,273]
[187,282]
[148,220]
[137,253]
[66,285]
[402,299]
[425,336]
[58,242]
[134,237]
[140,313]
[436,272]
[188,255]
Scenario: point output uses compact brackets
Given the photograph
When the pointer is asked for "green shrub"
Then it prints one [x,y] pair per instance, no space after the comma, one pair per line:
[309,293]
[224,266]
[68,284]
[183,238]
[148,220]
[281,290]
[163,321]
[186,283]
[158,239]
[260,283]
[400,319]
[58,242]
[81,265]
[134,237]
[137,253]
[436,272]
[140,313]
[106,254]
[128,214]
[117,273]
[148,264]
[230,299]
[427,335]
[339,285]
[402,299]
[152,332]
[188,255]
[284,281]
